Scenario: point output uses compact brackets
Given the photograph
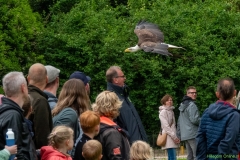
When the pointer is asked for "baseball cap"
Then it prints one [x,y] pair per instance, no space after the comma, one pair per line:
[81,76]
[52,73]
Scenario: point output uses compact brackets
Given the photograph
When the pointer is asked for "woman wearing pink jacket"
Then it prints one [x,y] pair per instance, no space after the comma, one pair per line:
[168,125]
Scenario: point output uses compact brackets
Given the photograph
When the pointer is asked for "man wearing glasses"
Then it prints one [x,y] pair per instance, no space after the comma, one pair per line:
[128,118]
[188,122]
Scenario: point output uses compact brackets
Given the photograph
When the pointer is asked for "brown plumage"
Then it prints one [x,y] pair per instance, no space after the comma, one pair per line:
[150,39]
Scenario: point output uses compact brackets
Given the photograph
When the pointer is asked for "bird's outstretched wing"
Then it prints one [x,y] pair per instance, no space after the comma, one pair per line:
[155,48]
[148,32]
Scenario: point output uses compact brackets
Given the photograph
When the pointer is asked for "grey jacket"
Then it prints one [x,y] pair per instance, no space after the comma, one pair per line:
[188,120]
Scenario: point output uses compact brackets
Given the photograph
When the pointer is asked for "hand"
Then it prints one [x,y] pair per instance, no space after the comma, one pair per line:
[12,149]
[177,141]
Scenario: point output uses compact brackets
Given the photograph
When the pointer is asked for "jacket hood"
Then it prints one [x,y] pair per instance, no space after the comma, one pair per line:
[50,95]
[32,88]
[11,105]
[185,102]
[106,123]
[166,108]
[220,109]
[48,151]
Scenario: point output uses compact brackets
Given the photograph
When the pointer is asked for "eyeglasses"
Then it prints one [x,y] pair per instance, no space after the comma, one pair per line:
[192,92]
[123,76]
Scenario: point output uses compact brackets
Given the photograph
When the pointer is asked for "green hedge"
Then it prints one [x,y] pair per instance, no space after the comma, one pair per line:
[93,34]
[19,27]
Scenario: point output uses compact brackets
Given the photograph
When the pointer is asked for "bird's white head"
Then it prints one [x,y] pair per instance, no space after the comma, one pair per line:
[133,49]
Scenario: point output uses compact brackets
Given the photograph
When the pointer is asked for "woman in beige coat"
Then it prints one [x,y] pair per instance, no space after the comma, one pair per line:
[168,125]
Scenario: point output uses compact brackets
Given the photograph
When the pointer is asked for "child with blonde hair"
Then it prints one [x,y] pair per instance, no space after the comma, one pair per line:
[141,150]
[92,150]
[60,142]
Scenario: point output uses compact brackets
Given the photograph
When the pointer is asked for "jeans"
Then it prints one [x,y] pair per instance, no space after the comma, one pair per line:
[191,147]
[172,154]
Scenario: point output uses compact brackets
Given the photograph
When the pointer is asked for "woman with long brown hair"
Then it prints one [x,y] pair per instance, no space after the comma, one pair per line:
[72,101]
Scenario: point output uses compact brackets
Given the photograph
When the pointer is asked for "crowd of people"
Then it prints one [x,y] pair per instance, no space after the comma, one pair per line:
[69,126]
[215,135]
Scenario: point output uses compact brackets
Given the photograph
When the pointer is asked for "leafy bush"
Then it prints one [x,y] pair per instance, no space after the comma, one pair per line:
[19,27]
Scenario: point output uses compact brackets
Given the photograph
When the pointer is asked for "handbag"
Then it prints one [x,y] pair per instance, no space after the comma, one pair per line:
[161,139]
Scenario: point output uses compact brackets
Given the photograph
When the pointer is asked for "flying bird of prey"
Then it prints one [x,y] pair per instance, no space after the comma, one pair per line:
[150,39]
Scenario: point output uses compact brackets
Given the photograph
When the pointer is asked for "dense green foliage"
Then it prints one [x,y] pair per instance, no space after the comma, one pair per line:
[19,27]
[92,36]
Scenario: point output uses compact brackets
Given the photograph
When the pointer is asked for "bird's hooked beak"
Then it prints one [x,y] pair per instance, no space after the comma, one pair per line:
[127,50]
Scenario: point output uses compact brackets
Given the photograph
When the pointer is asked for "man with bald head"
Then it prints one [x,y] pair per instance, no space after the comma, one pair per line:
[218,133]
[41,114]
[128,118]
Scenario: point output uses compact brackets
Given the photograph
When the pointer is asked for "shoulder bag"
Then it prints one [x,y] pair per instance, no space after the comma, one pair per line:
[161,139]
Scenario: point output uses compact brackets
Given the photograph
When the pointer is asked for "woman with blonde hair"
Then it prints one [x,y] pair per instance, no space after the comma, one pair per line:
[140,150]
[72,101]
[168,125]
[60,142]
[113,139]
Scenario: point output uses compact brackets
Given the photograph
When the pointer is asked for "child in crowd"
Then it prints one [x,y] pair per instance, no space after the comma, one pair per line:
[140,150]
[92,150]
[90,122]
[27,107]
[60,142]
[5,153]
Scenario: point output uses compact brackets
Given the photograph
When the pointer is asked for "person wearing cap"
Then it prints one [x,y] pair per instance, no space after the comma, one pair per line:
[86,79]
[52,85]
[129,119]
[41,115]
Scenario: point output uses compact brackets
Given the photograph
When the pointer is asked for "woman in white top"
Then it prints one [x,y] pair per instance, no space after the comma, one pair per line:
[168,125]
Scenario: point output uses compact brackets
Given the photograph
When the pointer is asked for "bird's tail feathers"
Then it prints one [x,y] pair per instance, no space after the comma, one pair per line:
[172,46]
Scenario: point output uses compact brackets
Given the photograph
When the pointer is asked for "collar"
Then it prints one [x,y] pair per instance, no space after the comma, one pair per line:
[115,88]
[32,88]
[226,104]
[107,121]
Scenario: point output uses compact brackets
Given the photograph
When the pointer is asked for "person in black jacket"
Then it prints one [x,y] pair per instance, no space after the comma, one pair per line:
[11,115]
[128,119]
[90,122]
[113,139]
[41,114]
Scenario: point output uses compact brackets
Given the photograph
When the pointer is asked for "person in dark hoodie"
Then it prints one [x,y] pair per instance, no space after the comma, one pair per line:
[113,139]
[188,122]
[11,115]
[218,134]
